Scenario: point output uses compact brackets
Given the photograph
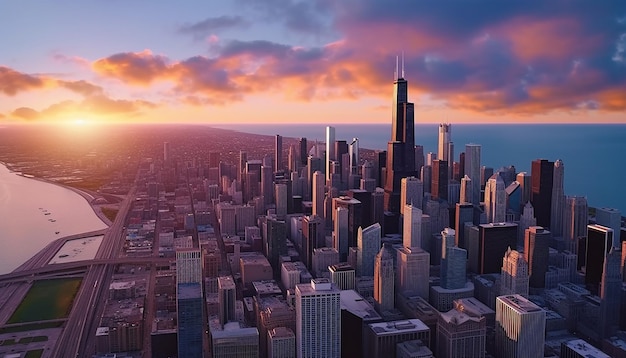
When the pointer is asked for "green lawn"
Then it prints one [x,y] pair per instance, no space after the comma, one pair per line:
[34,354]
[46,300]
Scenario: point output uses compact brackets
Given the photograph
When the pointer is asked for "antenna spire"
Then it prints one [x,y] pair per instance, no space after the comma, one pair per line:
[395,74]
[402,64]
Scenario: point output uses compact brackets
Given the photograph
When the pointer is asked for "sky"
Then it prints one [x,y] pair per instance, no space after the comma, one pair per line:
[311,61]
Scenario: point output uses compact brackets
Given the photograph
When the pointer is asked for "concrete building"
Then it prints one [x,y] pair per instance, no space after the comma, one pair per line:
[384,279]
[520,328]
[412,226]
[234,341]
[575,220]
[472,170]
[383,337]
[227,297]
[322,258]
[578,348]
[558,199]
[356,314]
[413,271]
[411,192]
[188,266]
[460,334]
[281,343]
[368,243]
[342,275]
[536,248]
[413,349]
[495,199]
[514,275]
[318,320]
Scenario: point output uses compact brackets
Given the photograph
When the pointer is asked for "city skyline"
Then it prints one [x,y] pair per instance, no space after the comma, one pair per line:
[261,62]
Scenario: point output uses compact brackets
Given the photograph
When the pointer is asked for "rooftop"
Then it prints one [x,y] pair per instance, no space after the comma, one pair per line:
[519,303]
[395,327]
[354,303]
[585,349]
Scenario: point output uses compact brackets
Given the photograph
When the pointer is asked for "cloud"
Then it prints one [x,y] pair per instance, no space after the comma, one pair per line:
[12,82]
[81,87]
[134,67]
[303,16]
[211,25]
[25,113]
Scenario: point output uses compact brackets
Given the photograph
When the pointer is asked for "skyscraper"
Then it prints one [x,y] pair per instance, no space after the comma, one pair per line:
[453,262]
[278,154]
[318,319]
[303,151]
[368,243]
[558,199]
[330,149]
[412,226]
[445,132]
[514,276]
[542,174]
[189,305]
[599,242]
[413,271]
[188,266]
[353,151]
[401,147]
[472,170]
[611,218]
[166,152]
[574,221]
[355,216]
[466,190]
[411,192]
[439,185]
[495,199]
[226,297]
[384,279]
[318,194]
[536,249]
[520,328]
[610,294]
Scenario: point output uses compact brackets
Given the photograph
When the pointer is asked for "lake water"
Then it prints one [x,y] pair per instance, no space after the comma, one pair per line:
[594,155]
[31,214]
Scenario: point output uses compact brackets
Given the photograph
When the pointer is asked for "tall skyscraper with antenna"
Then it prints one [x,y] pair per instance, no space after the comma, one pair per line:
[401,147]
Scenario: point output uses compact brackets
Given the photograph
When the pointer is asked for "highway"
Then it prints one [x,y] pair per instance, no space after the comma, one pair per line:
[78,336]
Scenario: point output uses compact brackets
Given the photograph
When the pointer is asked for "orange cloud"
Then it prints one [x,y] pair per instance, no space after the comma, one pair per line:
[12,82]
[25,113]
[140,68]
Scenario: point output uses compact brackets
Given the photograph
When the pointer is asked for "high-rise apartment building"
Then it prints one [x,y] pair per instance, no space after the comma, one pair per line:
[318,319]
[520,328]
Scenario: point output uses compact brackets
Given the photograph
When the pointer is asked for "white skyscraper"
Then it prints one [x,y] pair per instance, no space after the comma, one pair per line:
[412,226]
[466,190]
[188,266]
[514,276]
[445,132]
[411,192]
[520,328]
[368,242]
[318,319]
[495,199]
[330,150]
[472,169]
[558,199]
